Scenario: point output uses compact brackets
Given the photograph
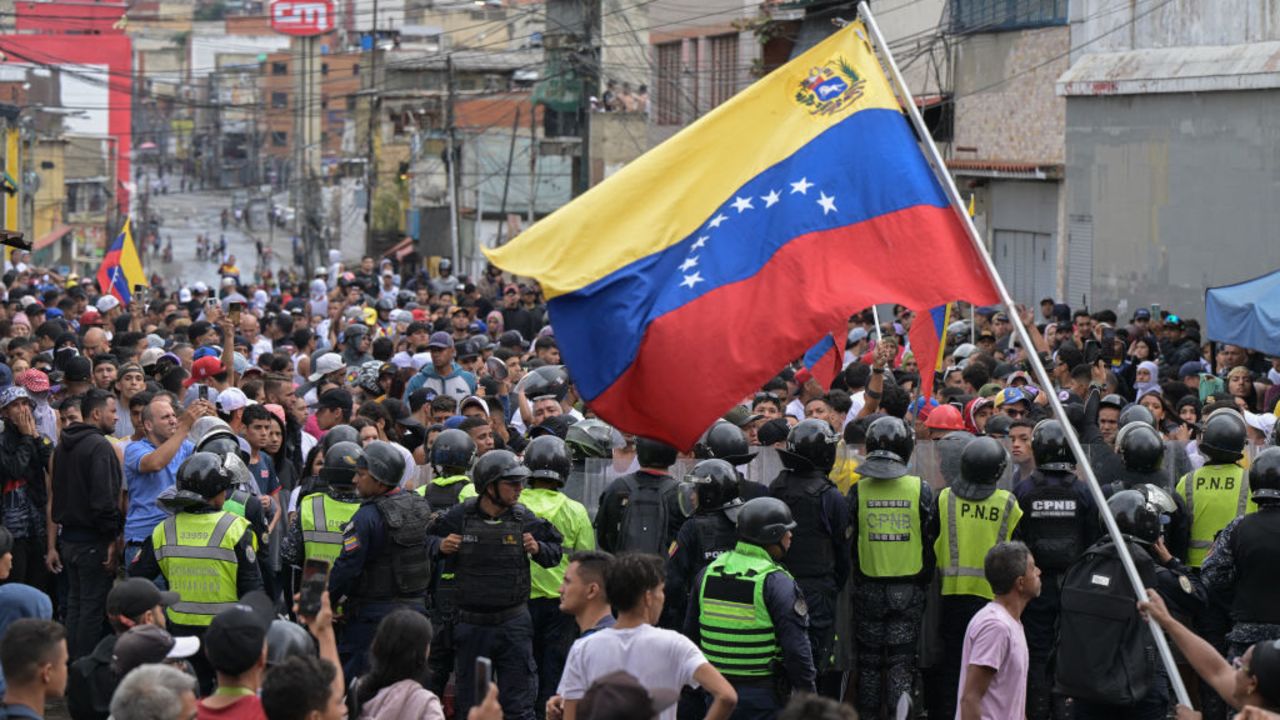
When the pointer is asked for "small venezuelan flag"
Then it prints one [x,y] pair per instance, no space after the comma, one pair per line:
[121,269]
[693,275]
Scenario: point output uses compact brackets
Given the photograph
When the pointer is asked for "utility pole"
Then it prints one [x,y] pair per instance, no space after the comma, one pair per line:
[451,163]
[371,166]
[506,184]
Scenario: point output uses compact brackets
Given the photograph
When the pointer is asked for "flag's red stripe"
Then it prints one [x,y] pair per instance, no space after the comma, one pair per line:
[679,383]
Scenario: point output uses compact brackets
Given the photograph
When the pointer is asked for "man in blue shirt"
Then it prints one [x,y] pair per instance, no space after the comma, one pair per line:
[151,464]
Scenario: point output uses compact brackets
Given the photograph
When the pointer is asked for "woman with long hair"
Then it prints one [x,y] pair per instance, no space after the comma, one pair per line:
[394,688]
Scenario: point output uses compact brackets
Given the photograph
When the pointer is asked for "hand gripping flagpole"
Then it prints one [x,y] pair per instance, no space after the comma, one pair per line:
[953,194]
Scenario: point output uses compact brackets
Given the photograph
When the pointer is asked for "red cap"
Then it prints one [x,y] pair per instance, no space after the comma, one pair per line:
[419,315]
[90,317]
[33,380]
[203,369]
[944,417]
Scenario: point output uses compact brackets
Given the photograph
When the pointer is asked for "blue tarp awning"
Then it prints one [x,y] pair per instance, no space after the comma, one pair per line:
[1246,314]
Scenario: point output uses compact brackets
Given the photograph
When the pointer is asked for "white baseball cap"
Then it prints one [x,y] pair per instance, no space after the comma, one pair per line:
[326,364]
[107,303]
[233,399]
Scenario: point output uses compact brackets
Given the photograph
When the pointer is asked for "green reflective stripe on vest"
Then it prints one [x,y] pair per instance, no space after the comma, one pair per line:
[737,634]
[889,541]
[1214,495]
[322,519]
[196,553]
[969,529]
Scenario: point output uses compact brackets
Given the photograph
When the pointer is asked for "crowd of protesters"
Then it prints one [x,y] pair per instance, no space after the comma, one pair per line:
[445,395]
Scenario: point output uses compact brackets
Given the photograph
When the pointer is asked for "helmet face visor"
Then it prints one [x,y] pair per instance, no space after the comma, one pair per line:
[687,495]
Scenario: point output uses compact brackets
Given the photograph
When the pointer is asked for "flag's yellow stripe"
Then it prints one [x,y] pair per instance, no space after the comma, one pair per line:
[129,262]
[668,193]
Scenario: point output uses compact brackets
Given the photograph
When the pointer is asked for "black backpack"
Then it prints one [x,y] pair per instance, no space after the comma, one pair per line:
[645,515]
[1105,652]
[90,685]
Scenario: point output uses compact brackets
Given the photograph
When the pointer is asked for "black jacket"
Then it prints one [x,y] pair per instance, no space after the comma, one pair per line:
[86,485]
[25,460]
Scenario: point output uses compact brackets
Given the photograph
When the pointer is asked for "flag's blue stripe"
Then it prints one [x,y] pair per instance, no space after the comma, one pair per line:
[870,164]
[814,355]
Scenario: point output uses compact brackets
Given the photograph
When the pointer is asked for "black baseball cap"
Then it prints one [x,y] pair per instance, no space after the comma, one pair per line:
[420,397]
[147,644]
[335,398]
[78,369]
[235,639]
[557,425]
[135,596]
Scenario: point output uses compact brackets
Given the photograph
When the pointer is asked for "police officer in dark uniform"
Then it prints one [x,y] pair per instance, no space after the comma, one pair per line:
[335,435]
[1058,524]
[712,489]
[491,539]
[891,514]
[819,560]
[316,531]
[384,563]
[452,456]
[1142,451]
[627,498]
[727,442]
[1241,569]
[757,613]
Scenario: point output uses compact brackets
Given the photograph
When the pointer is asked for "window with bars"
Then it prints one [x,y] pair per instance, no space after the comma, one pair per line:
[667,98]
[973,16]
[279,100]
[722,66]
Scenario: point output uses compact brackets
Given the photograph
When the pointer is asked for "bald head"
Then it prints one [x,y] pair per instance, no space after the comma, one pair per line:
[94,342]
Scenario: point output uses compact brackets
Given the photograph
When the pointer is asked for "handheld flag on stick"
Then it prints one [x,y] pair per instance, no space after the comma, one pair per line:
[699,270]
[121,269]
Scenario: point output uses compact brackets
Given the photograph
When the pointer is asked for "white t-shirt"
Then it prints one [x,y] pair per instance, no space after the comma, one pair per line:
[657,658]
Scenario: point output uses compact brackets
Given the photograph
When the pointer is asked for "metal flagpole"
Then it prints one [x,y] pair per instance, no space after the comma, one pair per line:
[948,185]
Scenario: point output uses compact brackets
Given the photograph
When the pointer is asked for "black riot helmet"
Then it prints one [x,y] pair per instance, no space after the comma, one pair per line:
[497,466]
[1264,476]
[715,483]
[982,463]
[652,453]
[221,442]
[337,434]
[453,452]
[1138,518]
[890,443]
[811,444]
[590,438]
[1136,413]
[997,426]
[725,441]
[1050,449]
[384,463]
[1140,448]
[287,639]
[340,464]
[548,380]
[203,474]
[547,457]
[1224,436]
[764,521]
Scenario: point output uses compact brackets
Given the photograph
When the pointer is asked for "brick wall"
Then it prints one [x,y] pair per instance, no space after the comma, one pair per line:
[1018,120]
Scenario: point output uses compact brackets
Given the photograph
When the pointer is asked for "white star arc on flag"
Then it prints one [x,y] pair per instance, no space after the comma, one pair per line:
[827,202]
[802,186]
[691,280]
[742,204]
[771,198]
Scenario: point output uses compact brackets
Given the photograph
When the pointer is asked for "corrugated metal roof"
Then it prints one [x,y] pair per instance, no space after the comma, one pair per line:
[1214,68]
[469,60]
[1005,169]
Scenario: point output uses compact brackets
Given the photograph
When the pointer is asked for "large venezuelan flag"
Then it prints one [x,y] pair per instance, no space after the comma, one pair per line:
[121,269]
[690,277]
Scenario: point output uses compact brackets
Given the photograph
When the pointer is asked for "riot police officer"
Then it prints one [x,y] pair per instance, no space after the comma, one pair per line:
[1142,451]
[973,516]
[452,456]
[712,489]
[316,531]
[1242,567]
[1218,492]
[335,435]
[891,513]
[491,538]
[749,616]
[591,443]
[1058,524]
[727,442]
[384,563]
[820,562]
[547,458]
[640,511]
[200,541]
